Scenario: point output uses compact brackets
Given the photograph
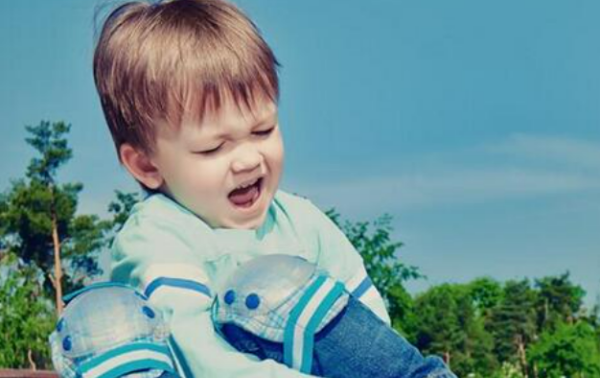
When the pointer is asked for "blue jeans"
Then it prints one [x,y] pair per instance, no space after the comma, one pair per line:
[356,344]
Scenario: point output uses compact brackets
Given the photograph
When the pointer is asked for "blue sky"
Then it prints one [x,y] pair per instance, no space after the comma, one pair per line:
[475,124]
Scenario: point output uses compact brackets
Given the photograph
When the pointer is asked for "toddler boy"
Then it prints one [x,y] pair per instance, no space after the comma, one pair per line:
[189,90]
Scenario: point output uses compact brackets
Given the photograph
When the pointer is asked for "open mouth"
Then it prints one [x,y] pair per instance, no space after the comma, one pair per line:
[246,195]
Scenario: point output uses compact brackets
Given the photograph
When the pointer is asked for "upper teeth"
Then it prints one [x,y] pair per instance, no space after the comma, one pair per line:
[247,185]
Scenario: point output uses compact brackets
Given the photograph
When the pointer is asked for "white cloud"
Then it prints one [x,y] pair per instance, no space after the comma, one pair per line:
[576,152]
[449,187]
[474,180]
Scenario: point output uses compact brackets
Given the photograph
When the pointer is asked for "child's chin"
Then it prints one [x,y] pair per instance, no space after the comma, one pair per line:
[247,222]
[242,225]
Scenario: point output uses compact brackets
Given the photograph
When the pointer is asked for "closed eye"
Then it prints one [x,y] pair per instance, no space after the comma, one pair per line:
[210,151]
[263,132]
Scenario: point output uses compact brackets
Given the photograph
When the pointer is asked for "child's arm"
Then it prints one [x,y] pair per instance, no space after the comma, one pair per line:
[158,259]
[202,353]
[340,259]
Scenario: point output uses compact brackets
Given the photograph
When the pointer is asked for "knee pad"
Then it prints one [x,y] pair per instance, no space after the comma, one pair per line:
[109,330]
[284,299]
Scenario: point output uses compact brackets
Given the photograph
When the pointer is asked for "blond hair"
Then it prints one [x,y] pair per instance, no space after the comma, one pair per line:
[165,60]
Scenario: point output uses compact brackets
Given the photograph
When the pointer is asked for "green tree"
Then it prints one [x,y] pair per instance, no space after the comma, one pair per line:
[448,325]
[568,350]
[379,252]
[512,322]
[486,294]
[558,300]
[39,221]
[26,316]
[438,325]
[120,208]
[593,319]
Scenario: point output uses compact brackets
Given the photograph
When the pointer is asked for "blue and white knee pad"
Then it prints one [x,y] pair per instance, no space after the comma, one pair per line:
[109,330]
[284,299]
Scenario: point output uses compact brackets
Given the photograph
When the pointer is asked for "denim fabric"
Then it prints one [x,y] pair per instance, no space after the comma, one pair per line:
[356,344]
[168,374]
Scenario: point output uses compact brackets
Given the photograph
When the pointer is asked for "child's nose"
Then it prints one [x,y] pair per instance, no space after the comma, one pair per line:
[247,159]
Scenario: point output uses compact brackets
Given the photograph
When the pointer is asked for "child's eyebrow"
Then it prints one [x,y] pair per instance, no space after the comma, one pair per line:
[269,118]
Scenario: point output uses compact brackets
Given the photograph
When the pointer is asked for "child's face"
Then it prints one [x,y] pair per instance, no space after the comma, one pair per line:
[225,169]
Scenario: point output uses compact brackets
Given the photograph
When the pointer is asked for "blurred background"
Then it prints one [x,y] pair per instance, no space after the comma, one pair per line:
[474,125]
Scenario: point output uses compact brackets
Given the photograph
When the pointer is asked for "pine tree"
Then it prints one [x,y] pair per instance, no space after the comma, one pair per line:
[448,325]
[558,301]
[39,220]
[513,323]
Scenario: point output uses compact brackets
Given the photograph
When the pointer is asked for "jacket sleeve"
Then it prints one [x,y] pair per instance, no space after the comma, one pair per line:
[342,261]
[159,260]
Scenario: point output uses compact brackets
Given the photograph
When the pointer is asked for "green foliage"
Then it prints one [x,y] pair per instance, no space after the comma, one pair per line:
[80,250]
[28,210]
[49,141]
[512,322]
[374,243]
[487,329]
[568,350]
[508,370]
[486,294]
[120,208]
[593,319]
[484,328]
[559,300]
[439,326]
[26,218]
[448,326]
[28,207]
[26,316]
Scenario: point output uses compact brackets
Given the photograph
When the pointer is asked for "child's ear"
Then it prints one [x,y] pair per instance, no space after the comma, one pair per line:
[140,166]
